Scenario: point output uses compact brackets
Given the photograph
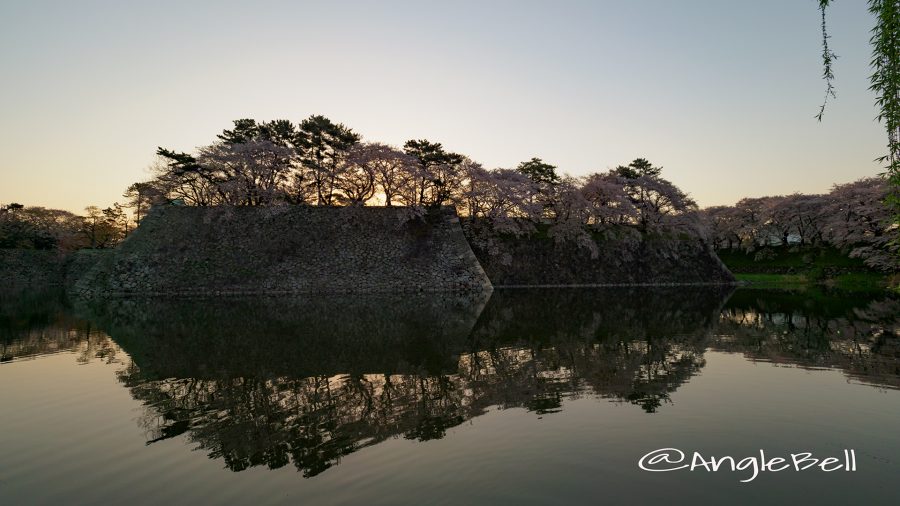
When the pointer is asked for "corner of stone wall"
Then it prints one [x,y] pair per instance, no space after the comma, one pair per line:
[82,271]
[464,249]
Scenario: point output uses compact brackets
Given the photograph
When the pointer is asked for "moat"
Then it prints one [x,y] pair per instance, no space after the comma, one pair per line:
[520,396]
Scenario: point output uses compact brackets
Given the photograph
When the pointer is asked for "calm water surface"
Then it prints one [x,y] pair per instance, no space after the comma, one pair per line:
[520,397]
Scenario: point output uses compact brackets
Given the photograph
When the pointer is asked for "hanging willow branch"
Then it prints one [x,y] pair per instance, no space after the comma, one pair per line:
[828,58]
[884,81]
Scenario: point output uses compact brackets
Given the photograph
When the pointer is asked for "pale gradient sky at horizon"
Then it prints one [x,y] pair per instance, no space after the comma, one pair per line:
[721,93]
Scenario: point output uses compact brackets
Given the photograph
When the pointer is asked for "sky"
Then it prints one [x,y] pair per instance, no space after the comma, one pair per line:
[721,93]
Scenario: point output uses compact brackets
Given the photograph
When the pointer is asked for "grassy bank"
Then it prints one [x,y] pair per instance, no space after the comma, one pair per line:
[862,281]
[799,267]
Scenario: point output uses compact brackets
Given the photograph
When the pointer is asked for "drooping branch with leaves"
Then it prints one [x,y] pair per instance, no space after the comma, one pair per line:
[884,81]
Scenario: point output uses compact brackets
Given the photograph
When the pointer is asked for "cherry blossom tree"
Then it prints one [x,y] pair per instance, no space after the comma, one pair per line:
[394,171]
[800,216]
[753,219]
[851,217]
[571,212]
[607,201]
[858,220]
[502,196]
[653,197]
[250,173]
[356,179]
[723,225]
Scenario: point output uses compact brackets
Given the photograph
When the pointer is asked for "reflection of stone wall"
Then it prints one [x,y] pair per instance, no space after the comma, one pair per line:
[288,249]
[296,336]
[599,313]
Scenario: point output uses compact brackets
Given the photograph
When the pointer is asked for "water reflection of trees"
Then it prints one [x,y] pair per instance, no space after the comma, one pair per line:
[859,336]
[306,381]
[33,324]
[629,345]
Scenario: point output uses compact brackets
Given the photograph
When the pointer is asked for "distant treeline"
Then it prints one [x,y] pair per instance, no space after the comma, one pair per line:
[319,162]
[852,217]
[37,227]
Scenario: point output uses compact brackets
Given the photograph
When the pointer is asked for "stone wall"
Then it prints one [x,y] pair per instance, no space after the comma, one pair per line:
[28,268]
[181,250]
[287,249]
[538,260]
[80,262]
